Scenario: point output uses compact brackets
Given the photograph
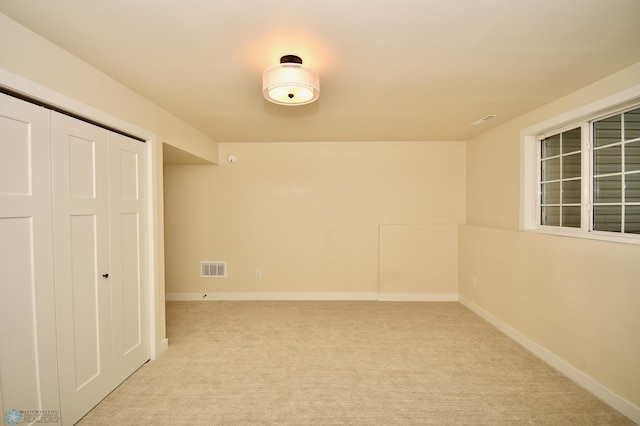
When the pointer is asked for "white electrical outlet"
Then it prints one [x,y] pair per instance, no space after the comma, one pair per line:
[258,273]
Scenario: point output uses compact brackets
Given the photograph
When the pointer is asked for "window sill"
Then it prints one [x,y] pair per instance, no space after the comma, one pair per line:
[593,235]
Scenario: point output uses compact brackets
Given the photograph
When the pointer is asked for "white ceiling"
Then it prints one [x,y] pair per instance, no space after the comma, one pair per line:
[389,69]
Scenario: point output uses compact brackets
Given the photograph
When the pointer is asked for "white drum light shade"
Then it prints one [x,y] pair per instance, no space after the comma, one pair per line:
[290,82]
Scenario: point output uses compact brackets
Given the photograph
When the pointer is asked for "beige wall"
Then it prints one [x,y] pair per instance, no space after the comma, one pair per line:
[418,262]
[576,298]
[307,215]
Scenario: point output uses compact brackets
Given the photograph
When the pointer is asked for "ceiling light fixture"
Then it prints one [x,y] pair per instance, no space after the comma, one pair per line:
[290,82]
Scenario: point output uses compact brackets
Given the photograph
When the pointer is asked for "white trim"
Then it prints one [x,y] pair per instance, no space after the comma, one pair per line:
[402,297]
[528,181]
[389,297]
[163,346]
[614,400]
[211,296]
[155,346]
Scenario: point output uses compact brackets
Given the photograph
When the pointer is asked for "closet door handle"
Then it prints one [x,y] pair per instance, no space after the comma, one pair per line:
[105,275]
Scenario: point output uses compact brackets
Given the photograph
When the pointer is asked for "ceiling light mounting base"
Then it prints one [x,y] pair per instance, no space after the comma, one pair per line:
[291,59]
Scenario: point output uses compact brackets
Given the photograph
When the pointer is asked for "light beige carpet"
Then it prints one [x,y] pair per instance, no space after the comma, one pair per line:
[344,363]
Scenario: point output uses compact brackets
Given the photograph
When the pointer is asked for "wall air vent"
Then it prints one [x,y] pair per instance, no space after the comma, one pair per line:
[213,269]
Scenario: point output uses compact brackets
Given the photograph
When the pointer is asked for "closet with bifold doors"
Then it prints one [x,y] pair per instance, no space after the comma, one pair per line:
[73,262]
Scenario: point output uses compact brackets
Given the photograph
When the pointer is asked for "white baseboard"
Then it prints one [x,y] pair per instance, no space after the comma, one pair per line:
[268,296]
[164,346]
[389,297]
[401,297]
[614,400]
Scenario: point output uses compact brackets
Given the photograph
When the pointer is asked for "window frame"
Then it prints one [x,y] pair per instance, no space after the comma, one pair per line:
[584,128]
[530,170]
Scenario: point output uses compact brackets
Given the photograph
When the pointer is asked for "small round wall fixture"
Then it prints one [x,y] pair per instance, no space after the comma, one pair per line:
[290,82]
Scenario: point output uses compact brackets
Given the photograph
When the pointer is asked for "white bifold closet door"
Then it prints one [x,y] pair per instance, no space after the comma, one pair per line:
[28,362]
[99,211]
